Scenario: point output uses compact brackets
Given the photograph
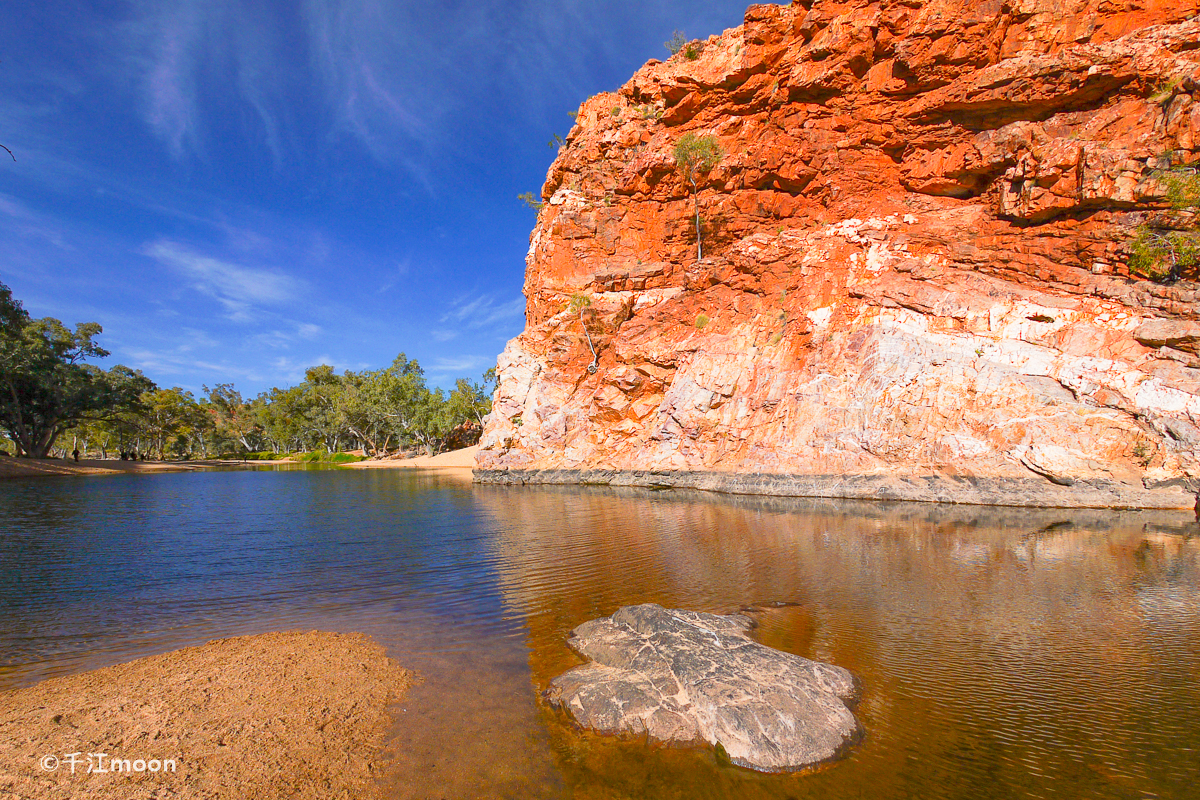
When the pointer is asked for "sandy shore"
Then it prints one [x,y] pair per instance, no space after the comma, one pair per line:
[294,714]
[32,467]
[455,459]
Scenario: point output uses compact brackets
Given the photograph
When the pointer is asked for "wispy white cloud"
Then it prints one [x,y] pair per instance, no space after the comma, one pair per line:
[374,61]
[180,362]
[180,47]
[402,269]
[170,85]
[482,311]
[280,339]
[459,366]
[23,221]
[235,286]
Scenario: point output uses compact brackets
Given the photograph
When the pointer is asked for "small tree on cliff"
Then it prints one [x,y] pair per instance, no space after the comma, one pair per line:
[580,302]
[694,156]
[1168,248]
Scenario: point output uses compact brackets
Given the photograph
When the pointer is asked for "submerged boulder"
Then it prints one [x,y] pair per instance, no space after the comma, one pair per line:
[687,677]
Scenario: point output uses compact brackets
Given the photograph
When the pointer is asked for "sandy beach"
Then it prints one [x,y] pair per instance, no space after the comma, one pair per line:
[290,714]
[463,459]
[34,467]
[455,459]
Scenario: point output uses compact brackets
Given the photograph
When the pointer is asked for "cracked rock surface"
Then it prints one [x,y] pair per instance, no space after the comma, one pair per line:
[687,677]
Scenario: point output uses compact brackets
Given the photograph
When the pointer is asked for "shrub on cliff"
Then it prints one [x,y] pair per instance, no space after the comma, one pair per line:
[694,156]
[1168,247]
[676,42]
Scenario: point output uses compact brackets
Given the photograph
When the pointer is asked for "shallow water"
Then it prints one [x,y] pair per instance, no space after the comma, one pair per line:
[1002,653]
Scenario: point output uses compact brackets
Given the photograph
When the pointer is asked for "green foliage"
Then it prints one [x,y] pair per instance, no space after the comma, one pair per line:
[1165,92]
[578,302]
[1183,188]
[262,455]
[695,155]
[529,200]
[1168,249]
[12,314]
[676,42]
[48,389]
[701,321]
[691,51]
[1162,255]
[47,385]
[325,457]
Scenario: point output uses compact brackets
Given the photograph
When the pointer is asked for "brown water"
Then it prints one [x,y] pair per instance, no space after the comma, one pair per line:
[1002,653]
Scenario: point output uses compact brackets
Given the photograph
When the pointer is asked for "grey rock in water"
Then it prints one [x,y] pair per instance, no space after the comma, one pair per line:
[689,677]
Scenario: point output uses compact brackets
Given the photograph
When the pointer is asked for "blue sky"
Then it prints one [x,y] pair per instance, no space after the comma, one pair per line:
[239,189]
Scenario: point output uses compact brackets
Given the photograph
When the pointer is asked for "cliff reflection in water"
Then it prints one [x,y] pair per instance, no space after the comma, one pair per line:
[1003,652]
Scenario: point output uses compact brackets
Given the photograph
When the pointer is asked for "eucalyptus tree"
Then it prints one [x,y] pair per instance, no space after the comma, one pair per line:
[322,412]
[169,418]
[694,156]
[47,384]
[232,416]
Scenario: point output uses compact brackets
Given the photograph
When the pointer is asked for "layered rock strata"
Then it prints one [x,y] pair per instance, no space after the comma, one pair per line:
[687,677]
[915,264]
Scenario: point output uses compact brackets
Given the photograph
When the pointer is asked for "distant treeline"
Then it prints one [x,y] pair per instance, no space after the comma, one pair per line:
[53,401]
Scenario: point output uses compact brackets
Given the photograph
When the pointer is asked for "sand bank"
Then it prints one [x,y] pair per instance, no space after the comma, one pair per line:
[455,459]
[296,715]
[31,467]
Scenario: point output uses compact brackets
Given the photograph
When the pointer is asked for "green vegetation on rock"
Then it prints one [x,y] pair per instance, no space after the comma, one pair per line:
[1167,247]
[694,156]
[676,42]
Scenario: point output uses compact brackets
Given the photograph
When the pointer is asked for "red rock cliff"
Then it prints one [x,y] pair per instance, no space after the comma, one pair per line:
[916,251]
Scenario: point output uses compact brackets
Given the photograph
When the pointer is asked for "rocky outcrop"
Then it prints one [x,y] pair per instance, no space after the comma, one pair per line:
[687,677]
[915,263]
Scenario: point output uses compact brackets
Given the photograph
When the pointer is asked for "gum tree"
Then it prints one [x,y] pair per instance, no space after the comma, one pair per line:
[47,385]
[580,302]
[695,156]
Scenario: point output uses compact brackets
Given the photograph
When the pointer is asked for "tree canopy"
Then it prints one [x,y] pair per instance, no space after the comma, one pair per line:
[47,384]
[49,387]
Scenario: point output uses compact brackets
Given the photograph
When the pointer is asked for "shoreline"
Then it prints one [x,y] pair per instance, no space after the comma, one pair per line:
[461,459]
[284,714]
[946,489]
[13,467]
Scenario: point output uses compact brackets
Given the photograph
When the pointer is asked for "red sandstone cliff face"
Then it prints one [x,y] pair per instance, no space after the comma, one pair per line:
[915,253]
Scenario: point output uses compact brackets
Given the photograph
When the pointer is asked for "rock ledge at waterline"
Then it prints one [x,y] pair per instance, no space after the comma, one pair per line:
[688,677]
[1038,493]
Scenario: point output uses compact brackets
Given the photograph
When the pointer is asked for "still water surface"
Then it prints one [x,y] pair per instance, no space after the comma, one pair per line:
[1002,653]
